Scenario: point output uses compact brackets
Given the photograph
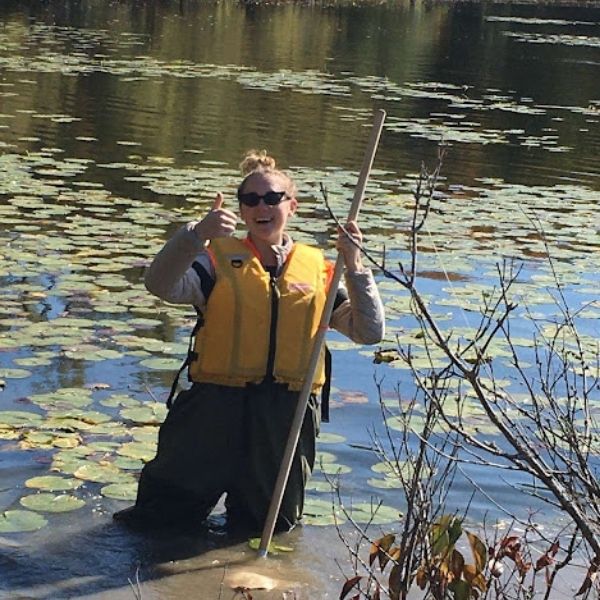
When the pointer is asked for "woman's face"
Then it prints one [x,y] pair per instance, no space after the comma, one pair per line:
[267,222]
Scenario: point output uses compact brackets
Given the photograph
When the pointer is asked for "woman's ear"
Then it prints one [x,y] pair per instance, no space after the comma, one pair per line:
[293,206]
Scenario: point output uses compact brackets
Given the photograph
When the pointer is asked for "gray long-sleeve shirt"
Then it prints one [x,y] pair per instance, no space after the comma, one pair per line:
[171,277]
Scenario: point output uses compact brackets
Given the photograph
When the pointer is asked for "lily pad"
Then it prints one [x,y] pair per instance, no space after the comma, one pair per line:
[323,520]
[33,361]
[388,483]
[52,503]
[103,446]
[8,434]
[90,417]
[117,400]
[331,468]
[161,364]
[141,450]
[273,548]
[36,439]
[92,353]
[19,418]
[53,483]
[366,512]
[128,464]
[148,433]
[102,473]
[331,438]
[14,521]
[316,485]
[151,413]
[63,398]
[325,457]
[6,373]
[321,512]
[120,491]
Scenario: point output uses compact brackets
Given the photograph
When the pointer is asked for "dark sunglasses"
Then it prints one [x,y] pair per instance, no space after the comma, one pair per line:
[270,198]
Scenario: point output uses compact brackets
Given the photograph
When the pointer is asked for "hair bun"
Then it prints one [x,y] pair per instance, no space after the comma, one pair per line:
[257,160]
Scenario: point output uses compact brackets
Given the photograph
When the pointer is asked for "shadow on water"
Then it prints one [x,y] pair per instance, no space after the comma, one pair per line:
[110,560]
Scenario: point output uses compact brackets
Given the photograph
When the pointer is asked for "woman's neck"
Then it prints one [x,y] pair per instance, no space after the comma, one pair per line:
[265,250]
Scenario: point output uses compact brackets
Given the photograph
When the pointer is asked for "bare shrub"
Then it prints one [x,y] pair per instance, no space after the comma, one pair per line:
[548,432]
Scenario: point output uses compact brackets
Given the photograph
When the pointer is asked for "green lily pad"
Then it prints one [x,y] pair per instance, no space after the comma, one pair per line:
[14,521]
[120,491]
[52,503]
[89,417]
[365,512]
[92,353]
[14,373]
[101,473]
[325,457]
[316,485]
[331,438]
[8,434]
[65,424]
[111,428]
[19,418]
[67,464]
[36,439]
[393,470]
[33,361]
[161,364]
[388,483]
[321,512]
[53,483]
[273,548]
[66,440]
[150,413]
[128,464]
[148,433]
[103,446]
[141,450]
[117,400]
[331,468]
[145,322]
[63,398]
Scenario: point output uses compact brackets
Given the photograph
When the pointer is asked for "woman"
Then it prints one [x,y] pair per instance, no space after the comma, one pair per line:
[260,301]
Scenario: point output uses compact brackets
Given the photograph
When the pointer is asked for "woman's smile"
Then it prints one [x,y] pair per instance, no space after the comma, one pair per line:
[266,222]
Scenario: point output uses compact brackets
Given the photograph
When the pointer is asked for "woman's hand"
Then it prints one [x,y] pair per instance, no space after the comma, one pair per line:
[219,222]
[350,248]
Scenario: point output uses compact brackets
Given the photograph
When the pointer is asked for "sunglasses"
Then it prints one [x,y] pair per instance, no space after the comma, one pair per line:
[270,198]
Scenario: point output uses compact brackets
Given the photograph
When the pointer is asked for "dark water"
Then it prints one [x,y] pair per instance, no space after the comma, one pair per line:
[315,63]
[119,120]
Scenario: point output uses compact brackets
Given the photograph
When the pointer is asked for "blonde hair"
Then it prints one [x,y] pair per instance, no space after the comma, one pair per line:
[258,161]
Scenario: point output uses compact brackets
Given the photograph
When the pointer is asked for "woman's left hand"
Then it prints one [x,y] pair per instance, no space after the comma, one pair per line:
[350,248]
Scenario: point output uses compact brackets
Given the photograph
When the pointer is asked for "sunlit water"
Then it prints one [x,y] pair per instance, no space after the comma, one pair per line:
[118,121]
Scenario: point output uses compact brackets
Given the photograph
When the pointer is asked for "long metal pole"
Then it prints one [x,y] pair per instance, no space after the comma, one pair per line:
[292,442]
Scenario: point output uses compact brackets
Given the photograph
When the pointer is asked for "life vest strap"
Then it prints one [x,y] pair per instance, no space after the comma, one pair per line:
[326,389]
[190,357]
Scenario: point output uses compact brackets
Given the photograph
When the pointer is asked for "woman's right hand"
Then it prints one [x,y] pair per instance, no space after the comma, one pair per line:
[219,222]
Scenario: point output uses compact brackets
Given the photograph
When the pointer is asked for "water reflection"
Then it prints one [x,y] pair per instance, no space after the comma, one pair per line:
[174,81]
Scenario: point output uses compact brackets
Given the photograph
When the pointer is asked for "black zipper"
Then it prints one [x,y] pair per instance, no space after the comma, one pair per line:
[273,330]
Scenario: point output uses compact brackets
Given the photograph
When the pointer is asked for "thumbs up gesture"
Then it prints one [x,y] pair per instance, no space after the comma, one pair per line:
[219,222]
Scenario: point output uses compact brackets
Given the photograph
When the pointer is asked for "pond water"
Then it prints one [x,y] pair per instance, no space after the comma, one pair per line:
[120,120]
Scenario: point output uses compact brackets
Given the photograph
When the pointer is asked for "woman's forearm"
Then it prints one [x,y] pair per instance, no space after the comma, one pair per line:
[361,318]
[170,276]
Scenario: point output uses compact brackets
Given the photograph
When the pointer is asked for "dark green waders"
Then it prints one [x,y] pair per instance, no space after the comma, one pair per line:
[219,439]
